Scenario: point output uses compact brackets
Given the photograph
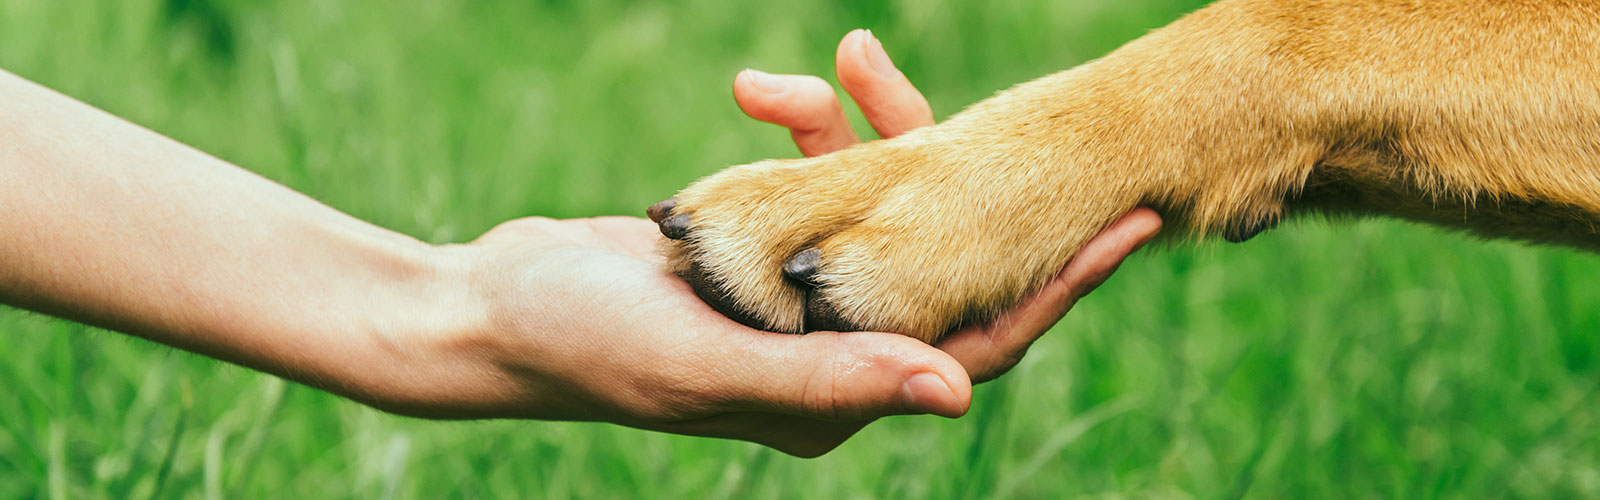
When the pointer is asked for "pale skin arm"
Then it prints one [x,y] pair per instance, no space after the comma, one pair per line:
[113,225]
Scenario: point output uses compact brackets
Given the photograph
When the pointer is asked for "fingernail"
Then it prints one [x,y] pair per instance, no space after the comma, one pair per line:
[766,82]
[877,57]
[927,393]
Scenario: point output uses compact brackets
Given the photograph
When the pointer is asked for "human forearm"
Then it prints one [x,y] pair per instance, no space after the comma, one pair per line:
[110,224]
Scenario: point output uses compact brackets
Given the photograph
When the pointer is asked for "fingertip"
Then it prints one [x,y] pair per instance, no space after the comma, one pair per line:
[1145,213]
[781,99]
[806,105]
[1131,232]
[1122,237]
[1143,222]
[937,384]
[961,384]
[930,393]
[862,62]
[852,67]
[850,47]
[887,98]
[922,379]
[843,376]
[751,99]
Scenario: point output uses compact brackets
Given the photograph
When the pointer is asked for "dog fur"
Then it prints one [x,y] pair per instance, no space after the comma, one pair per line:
[1482,115]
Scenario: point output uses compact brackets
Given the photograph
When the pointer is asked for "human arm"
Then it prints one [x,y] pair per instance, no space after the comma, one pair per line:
[114,225]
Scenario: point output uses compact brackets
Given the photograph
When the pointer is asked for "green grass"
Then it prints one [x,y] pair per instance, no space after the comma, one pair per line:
[1372,359]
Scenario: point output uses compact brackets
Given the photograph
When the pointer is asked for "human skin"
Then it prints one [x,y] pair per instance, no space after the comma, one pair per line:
[117,226]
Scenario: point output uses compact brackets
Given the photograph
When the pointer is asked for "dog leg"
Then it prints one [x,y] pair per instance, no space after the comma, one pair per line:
[1483,115]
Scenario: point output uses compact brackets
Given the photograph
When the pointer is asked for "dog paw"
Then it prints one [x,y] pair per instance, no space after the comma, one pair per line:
[953,223]
[916,235]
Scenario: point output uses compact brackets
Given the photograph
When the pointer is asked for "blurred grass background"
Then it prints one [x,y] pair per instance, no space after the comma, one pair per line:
[1372,359]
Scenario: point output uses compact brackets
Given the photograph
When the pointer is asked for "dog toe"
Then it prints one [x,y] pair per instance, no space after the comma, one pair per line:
[804,265]
[675,227]
[661,209]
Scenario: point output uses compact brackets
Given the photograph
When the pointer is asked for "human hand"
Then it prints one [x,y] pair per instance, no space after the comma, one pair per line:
[581,323]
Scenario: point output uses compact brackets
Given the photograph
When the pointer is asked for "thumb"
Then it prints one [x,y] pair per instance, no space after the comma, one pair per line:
[846,376]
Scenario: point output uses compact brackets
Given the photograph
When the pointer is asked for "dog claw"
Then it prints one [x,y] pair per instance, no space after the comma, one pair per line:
[1243,232]
[803,266]
[659,211]
[675,227]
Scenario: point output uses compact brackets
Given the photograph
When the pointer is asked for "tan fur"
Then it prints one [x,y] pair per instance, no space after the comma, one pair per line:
[1476,114]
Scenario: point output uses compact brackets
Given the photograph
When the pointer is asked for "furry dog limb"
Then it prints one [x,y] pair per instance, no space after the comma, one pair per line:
[1482,115]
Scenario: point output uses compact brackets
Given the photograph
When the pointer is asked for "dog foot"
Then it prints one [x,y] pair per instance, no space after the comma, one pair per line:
[953,223]
[896,235]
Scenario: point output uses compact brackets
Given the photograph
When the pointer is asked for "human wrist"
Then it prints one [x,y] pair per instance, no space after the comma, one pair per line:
[418,330]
